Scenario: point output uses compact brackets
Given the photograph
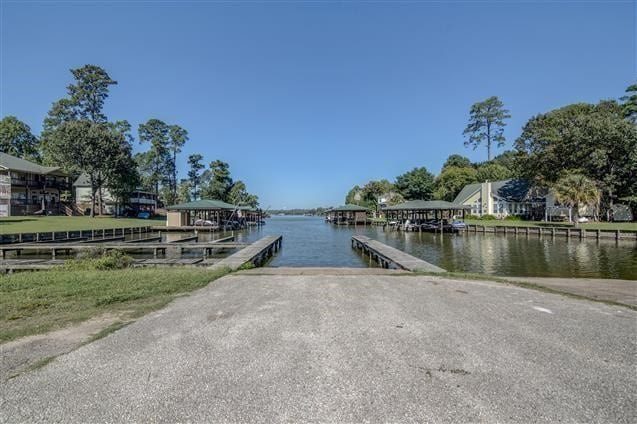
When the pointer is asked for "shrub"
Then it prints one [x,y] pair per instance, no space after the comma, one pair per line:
[98,259]
[513,218]
[488,217]
[469,216]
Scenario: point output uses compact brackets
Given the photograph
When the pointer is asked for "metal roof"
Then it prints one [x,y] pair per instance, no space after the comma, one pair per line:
[414,205]
[349,208]
[14,163]
[202,204]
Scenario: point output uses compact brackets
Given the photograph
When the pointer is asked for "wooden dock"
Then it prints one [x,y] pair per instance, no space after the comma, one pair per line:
[257,253]
[155,247]
[568,232]
[389,257]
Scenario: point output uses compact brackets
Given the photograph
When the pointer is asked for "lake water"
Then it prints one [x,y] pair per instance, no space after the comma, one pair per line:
[309,241]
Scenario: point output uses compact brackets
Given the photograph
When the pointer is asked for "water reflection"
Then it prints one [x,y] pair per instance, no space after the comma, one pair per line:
[308,241]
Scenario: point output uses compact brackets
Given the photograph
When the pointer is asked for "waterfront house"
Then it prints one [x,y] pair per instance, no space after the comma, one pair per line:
[507,197]
[27,188]
[139,201]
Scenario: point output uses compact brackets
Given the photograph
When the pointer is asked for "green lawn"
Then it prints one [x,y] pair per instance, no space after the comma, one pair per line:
[589,225]
[38,302]
[34,224]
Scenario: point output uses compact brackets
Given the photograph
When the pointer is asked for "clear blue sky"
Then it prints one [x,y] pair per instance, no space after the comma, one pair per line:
[304,100]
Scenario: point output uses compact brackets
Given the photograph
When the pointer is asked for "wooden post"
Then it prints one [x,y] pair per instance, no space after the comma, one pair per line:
[617,235]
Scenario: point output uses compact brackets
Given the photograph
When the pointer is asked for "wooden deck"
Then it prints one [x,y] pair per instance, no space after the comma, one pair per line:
[257,253]
[389,257]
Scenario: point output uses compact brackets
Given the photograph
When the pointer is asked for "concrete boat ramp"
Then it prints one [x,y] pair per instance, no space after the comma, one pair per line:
[346,345]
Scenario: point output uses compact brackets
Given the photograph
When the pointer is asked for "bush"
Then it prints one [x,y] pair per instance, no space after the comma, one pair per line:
[469,216]
[488,217]
[513,218]
[98,259]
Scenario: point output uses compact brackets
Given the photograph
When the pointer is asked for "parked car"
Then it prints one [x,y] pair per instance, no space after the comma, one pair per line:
[143,215]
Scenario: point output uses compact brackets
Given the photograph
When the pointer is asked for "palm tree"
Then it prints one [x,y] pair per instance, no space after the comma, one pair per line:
[574,190]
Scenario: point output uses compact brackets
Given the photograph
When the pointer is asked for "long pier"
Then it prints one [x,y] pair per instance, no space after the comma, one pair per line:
[257,253]
[389,257]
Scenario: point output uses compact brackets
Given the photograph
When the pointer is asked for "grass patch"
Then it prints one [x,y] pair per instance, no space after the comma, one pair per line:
[35,224]
[38,302]
[622,226]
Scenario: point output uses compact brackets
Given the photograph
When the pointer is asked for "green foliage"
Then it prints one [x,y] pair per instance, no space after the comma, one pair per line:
[155,164]
[415,184]
[488,217]
[78,136]
[238,195]
[218,181]
[178,137]
[595,139]
[629,107]
[195,167]
[573,190]
[491,171]
[452,180]
[184,191]
[355,197]
[457,161]
[99,260]
[16,139]
[513,218]
[486,124]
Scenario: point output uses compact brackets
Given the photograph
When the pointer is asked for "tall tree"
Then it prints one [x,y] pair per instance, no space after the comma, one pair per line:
[185,191]
[220,181]
[121,174]
[597,139]
[415,184]
[486,124]
[158,160]
[194,176]
[178,137]
[76,133]
[574,190]
[16,139]
[355,197]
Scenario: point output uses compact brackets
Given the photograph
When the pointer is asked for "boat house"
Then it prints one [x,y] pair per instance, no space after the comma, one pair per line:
[420,211]
[348,214]
[211,213]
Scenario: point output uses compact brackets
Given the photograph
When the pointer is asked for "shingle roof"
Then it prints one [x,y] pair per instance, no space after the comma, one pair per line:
[203,204]
[414,205]
[349,208]
[512,189]
[14,163]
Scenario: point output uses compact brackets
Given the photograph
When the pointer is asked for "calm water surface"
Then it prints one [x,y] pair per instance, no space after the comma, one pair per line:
[309,241]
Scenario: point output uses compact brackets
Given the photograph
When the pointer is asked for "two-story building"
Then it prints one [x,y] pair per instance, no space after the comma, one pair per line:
[28,188]
[139,201]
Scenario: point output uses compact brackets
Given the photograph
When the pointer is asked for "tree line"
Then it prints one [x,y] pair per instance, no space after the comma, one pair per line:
[586,153]
[78,137]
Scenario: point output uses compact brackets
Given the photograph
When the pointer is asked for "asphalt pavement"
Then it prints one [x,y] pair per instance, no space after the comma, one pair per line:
[347,348]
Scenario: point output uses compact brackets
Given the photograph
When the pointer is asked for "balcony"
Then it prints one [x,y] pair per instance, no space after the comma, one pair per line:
[34,185]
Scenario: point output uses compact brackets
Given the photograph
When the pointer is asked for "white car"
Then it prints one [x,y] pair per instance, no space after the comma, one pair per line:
[582,219]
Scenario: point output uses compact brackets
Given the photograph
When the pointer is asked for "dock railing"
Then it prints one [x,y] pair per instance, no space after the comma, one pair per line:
[567,232]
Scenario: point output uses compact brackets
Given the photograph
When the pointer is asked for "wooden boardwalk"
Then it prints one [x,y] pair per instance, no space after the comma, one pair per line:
[389,257]
[257,253]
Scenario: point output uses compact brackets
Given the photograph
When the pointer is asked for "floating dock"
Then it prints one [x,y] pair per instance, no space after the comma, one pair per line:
[389,257]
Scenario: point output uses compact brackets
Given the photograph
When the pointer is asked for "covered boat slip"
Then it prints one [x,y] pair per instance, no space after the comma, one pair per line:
[346,215]
[211,214]
[425,215]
